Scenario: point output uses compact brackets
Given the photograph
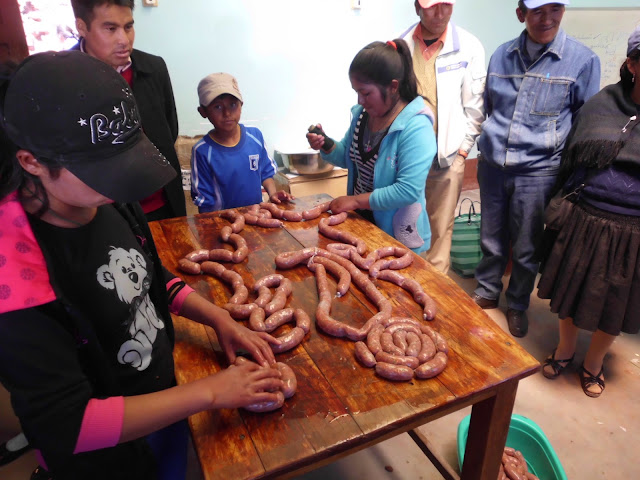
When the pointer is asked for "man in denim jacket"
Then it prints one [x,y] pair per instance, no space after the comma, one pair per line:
[535,86]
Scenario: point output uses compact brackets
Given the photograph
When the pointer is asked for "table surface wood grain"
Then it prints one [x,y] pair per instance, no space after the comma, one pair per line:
[340,406]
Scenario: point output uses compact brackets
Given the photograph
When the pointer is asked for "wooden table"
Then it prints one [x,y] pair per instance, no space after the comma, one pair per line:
[340,406]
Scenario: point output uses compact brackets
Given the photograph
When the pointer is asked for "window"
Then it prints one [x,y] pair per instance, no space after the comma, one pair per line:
[48,24]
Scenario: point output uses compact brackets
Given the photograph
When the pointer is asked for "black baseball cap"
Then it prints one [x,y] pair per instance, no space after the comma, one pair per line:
[79,112]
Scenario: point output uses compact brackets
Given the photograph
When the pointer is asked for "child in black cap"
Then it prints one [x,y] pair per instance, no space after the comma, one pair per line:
[85,332]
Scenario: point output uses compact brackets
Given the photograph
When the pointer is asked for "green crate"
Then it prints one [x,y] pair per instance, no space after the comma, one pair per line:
[524,435]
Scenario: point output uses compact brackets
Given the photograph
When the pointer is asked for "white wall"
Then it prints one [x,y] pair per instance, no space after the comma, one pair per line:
[291,57]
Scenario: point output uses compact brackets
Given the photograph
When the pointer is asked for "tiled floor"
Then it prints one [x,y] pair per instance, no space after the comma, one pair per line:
[593,438]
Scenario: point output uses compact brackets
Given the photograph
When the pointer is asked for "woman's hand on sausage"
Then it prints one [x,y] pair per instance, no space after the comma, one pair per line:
[233,337]
[347,203]
[246,384]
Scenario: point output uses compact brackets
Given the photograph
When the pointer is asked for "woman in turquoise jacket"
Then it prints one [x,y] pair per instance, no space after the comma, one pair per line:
[389,146]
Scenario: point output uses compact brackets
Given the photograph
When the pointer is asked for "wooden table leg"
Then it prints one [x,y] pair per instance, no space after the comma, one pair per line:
[488,430]
[447,472]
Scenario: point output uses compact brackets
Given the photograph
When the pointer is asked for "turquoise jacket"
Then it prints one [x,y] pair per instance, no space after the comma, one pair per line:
[400,173]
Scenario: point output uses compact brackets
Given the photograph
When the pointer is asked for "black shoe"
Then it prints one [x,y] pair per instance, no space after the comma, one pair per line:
[518,322]
[8,456]
[41,474]
[485,303]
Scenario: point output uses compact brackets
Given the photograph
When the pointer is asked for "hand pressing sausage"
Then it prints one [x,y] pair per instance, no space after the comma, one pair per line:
[243,385]
[347,203]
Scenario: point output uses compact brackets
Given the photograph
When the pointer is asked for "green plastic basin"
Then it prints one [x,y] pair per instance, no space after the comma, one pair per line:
[524,435]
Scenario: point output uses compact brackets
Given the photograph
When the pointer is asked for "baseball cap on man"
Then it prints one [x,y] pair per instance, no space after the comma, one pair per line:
[539,3]
[216,84]
[79,112]
[431,3]
[634,41]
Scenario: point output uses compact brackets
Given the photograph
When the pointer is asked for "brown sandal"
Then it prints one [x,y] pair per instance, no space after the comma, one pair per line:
[590,380]
[556,365]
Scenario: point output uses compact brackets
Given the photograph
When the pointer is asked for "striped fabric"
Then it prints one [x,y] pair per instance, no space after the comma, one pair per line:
[365,161]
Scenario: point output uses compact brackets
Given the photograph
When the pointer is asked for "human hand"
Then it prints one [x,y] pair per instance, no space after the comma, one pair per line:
[316,141]
[345,203]
[281,196]
[242,385]
[233,337]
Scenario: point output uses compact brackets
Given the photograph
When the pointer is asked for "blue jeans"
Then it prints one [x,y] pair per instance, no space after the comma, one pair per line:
[512,216]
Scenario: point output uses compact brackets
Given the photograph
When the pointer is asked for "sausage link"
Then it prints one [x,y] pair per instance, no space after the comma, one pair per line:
[240,295]
[386,340]
[427,349]
[272,208]
[220,255]
[411,362]
[271,280]
[267,406]
[289,340]
[315,212]
[240,311]
[311,213]
[225,233]
[337,270]
[400,340]
[264,296]
[364,355]
[278,302]
[433,367]
[303,320]
[187,266]
[403,326]
[373,338]
[256,320]
[268,222]
[278,318]
[394,372]
[291,259]
[198,255]
[438,340]
[414,344]
[289,379]
[212,268]
[292,215]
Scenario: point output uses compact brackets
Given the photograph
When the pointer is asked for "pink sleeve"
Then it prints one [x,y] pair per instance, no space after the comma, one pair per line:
[178,300]
[101,424]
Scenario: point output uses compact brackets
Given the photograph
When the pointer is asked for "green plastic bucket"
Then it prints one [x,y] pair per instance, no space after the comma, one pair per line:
[524,435]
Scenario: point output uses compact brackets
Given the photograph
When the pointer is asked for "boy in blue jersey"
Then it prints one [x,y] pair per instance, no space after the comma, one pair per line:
[230,164]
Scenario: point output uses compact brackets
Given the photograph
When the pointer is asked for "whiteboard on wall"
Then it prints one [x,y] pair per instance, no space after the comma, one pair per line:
[605,31]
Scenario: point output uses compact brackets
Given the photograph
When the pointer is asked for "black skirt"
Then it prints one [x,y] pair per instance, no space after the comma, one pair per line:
[593,271]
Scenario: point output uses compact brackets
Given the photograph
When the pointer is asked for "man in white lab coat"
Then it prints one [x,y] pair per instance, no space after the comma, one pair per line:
[450,65]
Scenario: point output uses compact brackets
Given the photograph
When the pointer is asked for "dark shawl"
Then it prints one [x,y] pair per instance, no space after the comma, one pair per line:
[603,133]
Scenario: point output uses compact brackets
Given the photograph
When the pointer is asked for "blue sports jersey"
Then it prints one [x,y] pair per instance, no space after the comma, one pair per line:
[228,177]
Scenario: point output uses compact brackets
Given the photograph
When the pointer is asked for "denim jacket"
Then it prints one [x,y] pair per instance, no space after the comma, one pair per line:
[530,106]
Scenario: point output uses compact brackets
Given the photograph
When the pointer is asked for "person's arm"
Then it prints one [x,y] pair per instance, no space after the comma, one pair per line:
[347,203]
[232,336]
[275,195]
[203,191]
[472,93]
[234,387]
[587,84]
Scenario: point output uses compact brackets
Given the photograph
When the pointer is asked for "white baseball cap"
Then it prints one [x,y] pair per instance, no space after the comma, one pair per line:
[431,3]
[539,3]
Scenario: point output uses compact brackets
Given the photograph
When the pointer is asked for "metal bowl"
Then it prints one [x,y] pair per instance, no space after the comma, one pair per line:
[305,163]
